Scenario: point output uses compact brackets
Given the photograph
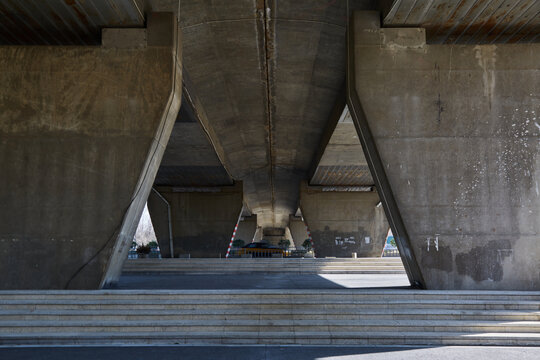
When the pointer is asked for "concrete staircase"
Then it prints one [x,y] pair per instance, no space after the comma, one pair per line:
[267,265]
[360,317]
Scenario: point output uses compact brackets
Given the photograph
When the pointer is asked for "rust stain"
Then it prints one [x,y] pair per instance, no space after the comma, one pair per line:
[500,28]
[465,21]
[80,15]
[453,17]
[462,25]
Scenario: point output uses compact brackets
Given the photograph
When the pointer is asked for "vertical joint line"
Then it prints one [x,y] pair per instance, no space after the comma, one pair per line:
[267,38]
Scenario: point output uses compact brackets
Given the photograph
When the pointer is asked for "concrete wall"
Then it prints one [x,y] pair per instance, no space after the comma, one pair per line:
[344,222]
[458,132]
[203,219]
[82,130]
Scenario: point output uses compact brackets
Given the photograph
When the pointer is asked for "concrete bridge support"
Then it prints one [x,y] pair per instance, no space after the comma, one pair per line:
[82,132]
[458,134]
[344,222]
[247,228]
[202,219]
[298,230]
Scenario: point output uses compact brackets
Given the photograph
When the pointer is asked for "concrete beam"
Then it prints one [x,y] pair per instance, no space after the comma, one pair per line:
[344,222]
[457,132]
[82,132]
[267,91]
[202,219]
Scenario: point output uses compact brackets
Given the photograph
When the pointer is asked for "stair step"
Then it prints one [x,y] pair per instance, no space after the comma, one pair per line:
[266,265]
[301,338]
[270,325]
[259,294]
[348,316]
[254,313]
[292,305]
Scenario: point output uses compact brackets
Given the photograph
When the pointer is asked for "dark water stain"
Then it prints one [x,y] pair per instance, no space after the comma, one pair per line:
[484,262]
[440,260]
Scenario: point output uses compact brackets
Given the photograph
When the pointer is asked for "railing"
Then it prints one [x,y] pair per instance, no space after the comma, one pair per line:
[154,254]
[268,253]
[258,253]
[390,253]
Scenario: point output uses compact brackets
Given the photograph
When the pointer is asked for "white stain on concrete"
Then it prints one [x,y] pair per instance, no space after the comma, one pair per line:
[487,57]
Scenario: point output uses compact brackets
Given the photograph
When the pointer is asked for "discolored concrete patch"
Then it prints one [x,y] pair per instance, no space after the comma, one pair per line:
[484,262]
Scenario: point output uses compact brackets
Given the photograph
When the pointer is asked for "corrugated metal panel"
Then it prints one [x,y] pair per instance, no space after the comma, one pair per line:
[469,21]
[64,22]
[342,175]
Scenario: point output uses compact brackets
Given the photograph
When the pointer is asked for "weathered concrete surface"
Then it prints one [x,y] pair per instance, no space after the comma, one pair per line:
[268,90]
[82,131]
[298,230]
[203,219]
[468,21]
[344,222]
[246,228]
[163,31]
[458,132]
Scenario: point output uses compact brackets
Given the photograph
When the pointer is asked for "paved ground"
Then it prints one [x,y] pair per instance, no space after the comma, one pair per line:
[269,352]
[261,281]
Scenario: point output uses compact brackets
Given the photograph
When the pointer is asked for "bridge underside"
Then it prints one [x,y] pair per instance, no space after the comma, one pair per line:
[426,112]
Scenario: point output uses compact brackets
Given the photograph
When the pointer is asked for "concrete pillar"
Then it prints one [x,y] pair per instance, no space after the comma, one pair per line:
[246,228]
[203,219]
[82,132]
[273,235]
[288,236]
[458,134]
[258,234]
[344,222]
[298,230]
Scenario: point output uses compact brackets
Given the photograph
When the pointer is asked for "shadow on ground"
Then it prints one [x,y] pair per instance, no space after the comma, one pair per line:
[260,281]
[269,352]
